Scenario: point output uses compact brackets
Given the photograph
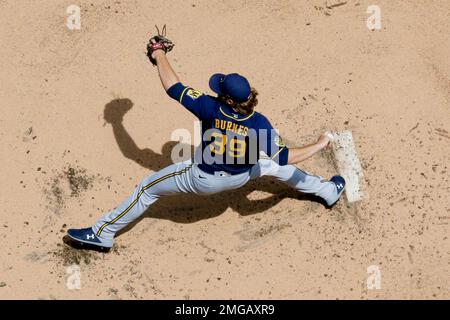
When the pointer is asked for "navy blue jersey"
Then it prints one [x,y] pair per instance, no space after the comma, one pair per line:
[231,142]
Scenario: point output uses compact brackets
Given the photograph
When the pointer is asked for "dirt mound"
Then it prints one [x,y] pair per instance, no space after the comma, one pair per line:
[84,119]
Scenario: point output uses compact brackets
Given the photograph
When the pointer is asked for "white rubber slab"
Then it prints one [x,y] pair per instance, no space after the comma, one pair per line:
[349,166]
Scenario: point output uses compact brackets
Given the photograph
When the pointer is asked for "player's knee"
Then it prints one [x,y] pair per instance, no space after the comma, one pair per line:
[147,198]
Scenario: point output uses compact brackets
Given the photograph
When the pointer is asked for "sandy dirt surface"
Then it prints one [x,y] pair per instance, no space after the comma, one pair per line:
[84,118]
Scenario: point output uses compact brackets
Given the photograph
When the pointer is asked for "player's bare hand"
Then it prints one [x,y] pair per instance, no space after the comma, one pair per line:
[325,139]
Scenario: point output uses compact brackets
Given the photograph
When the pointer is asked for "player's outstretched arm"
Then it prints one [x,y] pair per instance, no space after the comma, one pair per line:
[297,155]
[166,73]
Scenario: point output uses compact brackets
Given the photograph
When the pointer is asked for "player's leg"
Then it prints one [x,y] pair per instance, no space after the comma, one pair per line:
[329,190]
[170,180]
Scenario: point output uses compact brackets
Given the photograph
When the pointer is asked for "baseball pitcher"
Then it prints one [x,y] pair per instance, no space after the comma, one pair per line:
[238,144]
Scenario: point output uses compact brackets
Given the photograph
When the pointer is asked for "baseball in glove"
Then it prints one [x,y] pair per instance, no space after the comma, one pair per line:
[159,42]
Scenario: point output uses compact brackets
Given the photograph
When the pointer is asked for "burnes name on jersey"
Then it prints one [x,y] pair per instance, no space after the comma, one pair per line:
[231,126]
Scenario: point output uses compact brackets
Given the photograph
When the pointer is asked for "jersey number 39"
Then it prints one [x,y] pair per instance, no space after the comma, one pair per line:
[234,148]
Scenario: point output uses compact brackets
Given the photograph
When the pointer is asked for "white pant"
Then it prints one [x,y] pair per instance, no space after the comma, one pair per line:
[186,177]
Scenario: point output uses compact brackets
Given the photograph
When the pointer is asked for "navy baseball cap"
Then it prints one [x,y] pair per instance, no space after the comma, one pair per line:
[233,85]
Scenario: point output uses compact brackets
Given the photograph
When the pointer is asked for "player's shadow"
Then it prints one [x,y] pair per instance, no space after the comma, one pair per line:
[188,208]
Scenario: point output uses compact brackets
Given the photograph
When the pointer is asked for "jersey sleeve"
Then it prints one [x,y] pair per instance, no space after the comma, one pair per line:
[199,104]
[273,146]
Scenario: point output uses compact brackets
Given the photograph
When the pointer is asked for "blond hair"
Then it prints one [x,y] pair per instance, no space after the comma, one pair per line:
[244,108]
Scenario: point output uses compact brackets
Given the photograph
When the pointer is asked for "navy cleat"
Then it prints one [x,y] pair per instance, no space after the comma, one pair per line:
[87,236]
[340,186]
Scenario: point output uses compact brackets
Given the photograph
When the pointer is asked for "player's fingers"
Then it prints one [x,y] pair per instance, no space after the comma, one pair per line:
[330,135]
[326,138]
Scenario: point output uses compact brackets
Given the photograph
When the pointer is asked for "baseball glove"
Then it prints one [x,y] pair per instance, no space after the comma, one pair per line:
[159,42]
